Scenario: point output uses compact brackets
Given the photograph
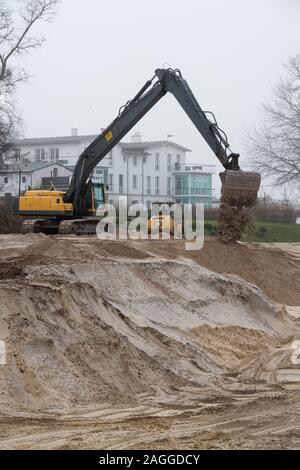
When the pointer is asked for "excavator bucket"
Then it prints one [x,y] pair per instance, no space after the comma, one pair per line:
[239,194]
[240,188]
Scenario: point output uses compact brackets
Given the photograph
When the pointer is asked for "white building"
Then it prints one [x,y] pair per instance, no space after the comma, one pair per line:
[144,171]
[16,178]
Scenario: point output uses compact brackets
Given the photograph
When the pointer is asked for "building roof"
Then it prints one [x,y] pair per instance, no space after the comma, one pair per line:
[78,138]
[54,140]
[28,167]
[149,144]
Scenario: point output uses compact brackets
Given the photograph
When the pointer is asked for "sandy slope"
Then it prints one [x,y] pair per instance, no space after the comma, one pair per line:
[117,344]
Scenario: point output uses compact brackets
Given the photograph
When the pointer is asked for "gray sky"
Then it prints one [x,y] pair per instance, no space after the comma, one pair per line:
[99,53]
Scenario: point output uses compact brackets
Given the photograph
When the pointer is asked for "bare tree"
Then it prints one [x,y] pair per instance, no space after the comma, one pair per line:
[275,147]
[15,41]
[10,124]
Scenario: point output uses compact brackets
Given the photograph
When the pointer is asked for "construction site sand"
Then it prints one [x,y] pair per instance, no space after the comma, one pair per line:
[275,268]
[109,332]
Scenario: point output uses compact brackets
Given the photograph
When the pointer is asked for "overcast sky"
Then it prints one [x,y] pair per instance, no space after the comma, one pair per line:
[98,54]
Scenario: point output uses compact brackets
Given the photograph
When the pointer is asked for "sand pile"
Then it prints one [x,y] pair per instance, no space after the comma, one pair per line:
[278,365]
[270,267]
[81,327]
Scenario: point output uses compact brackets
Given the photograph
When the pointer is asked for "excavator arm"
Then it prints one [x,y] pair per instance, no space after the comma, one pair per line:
[164,80]
[128,116]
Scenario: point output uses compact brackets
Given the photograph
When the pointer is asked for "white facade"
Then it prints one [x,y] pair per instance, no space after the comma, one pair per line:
[17,178]
[143,171]
[64,150]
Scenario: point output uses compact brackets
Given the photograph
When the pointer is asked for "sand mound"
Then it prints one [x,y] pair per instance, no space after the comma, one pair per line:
[275,271]
[86,250]
[109,328]
[278,365]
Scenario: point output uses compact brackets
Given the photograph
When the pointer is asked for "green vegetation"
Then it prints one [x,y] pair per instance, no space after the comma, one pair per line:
[264,232]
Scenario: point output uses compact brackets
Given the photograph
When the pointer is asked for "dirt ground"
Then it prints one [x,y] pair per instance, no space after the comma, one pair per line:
[138,344]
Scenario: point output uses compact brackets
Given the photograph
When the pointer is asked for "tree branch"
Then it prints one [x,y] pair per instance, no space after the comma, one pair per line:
[275,147]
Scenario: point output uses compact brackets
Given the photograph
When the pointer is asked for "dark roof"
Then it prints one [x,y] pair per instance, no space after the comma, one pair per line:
[59,182]
[153,143]
[28,167]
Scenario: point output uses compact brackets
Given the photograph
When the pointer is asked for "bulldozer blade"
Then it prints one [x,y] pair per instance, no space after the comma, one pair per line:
[240,187]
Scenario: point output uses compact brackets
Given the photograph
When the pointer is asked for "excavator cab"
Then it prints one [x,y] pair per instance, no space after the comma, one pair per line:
[98,195]
[93,196]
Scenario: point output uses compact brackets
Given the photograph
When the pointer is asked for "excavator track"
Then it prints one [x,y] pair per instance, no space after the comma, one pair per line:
[30,226]
[47,226]
[78,227]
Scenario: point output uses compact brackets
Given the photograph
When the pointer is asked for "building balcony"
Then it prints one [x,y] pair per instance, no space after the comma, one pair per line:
[71,160]
[193,168]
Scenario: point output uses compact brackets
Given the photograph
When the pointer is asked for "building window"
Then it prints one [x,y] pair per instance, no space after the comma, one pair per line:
[134,181]
[5,179]
[182,185]
[121,184]
[111,182]
[23,179]
[157,161]
[169,185]
[178,159]
[64,162]
[134,161]
[98,175]
[148,184]
[201,184]
[156,184]
[55,172]
[40,155]
[54,154]
[169,161]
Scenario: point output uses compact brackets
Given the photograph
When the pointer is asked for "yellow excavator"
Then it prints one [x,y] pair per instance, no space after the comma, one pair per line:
[74,211]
